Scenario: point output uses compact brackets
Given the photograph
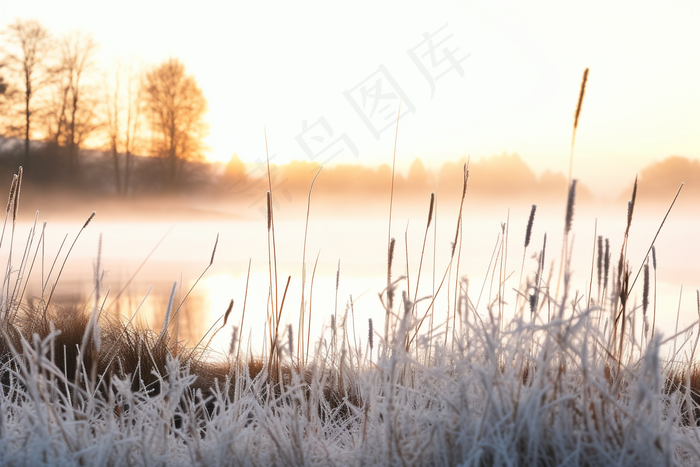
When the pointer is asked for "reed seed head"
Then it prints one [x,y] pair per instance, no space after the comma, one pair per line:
[645,294]
[228,312]
[337,276]
[570,206]
[630,206]
[390,258]
[530,221]
[653,256]
[430,209]
[390,287]
[269,210]
[11,197]
[624,286]
[89,219]
[216,242]
[370,336]
[580,97]
[17,191]
[620,265]
[466,179]
[544,248]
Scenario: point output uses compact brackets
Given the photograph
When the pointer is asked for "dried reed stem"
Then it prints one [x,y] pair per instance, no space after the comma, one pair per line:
[53,288]
[211,262]
[302,308]
[271,227]
[245,301]
[590,283]
[389,290]
[528,236]
[133,276]
[390,247]
[568,221]
[422,253]
[311,297]
[651,247]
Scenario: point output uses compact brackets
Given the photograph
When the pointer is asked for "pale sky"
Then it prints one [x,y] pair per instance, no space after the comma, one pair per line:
[514,87]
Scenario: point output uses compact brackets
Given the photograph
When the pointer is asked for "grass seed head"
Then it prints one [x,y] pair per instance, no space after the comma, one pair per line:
[570,206]
[645,294]
[530,221]
[430,208]
[582,92]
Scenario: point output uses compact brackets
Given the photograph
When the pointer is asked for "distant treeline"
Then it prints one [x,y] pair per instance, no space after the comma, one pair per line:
[660,180]
[50,170]
[496,177]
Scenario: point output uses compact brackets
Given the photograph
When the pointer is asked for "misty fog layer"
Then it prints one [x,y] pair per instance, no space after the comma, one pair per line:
[351,237]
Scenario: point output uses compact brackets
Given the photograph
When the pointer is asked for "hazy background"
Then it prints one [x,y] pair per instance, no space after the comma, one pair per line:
[278,64]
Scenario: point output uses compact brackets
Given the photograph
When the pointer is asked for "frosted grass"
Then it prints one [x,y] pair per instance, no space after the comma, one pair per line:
[491,401]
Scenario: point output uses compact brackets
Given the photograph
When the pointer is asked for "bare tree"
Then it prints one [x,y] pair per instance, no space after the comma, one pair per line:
[113,117]
[134,107]
[79,108]
[123,111]
[29,45]
[175,107]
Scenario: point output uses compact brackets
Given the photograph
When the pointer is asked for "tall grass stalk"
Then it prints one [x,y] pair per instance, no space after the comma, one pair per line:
[245,301]
[651,247]
[528,237]
[431,207]
[390,240]
[60,271]
[593,257]
[302,305]
[133,276]
[582,92]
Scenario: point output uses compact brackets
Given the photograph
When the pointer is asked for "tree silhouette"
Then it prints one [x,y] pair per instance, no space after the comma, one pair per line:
[122,119]
[175,107]
[74,110]
[29,43]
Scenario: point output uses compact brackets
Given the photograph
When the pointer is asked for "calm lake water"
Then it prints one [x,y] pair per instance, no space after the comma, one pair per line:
[361,247]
